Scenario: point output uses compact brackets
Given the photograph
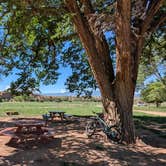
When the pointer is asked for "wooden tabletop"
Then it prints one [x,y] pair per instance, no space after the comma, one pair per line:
[56,111]
[29,124]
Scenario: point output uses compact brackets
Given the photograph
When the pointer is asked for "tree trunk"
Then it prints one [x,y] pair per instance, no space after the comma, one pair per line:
[157,104]
[125,86]
[117,92]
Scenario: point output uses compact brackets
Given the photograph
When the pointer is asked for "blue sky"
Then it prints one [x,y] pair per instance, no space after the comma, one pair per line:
[59,87]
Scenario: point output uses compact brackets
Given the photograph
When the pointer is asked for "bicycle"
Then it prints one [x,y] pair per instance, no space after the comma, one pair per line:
[113,132]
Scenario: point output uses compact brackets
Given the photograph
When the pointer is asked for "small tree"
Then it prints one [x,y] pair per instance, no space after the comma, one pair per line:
[154,93]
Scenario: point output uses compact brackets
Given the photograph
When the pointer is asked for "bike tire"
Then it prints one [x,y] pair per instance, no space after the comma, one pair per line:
[90,128]
[114,134]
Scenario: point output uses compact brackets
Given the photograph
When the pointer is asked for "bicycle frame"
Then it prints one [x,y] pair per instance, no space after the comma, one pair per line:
[101,122]
[112,131]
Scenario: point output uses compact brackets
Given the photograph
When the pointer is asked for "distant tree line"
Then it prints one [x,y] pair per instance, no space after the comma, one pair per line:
[6,96]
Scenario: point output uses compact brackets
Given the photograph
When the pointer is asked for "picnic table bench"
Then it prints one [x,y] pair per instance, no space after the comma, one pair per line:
[12,113]
[32,130]
[54,114]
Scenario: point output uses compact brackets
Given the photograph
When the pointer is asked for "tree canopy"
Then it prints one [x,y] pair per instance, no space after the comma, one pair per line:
[38,36]
[153,61]
[37,43]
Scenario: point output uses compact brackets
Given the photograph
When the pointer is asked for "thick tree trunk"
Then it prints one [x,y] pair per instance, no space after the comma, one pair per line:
[124,90]
[117,93]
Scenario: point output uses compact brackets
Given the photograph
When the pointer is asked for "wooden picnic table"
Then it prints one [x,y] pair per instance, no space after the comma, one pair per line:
[54,114]
[29,128]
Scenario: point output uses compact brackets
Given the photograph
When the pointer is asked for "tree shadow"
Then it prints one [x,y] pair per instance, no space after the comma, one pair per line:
[72,148]
[152,130]
[148,119]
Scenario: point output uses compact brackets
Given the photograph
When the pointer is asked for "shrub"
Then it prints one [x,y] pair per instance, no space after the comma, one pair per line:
[19,98]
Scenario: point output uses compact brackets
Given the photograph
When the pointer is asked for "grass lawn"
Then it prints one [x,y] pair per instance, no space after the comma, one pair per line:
[75,108]
[151,108]
[39,108]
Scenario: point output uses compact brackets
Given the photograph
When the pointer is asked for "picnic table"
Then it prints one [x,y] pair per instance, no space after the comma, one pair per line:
[27,128]
[30,130]
[54,114]
[12,113]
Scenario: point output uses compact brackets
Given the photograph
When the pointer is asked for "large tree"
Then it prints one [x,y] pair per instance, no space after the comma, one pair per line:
[132,21]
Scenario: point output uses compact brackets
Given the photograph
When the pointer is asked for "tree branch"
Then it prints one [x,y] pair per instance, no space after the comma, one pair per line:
[101,22]
[157,23]
[87,6]
[155,6]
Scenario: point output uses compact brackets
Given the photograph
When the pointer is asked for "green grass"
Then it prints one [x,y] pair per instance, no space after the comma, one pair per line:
[151,108]
[39,108]
[75,108]
[28,109]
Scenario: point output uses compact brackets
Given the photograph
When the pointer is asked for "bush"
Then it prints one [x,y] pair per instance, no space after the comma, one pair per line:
[19,98]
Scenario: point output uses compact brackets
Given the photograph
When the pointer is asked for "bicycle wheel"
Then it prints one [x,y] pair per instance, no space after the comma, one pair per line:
[90,128]
[114,134]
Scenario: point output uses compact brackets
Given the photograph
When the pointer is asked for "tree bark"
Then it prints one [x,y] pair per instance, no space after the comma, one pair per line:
[117,92]
[125,85]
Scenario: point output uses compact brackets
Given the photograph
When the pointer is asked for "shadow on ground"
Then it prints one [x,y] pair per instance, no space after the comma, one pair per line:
[152,130]
[71,147]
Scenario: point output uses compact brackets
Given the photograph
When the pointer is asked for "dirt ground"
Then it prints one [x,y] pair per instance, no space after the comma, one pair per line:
[71,147]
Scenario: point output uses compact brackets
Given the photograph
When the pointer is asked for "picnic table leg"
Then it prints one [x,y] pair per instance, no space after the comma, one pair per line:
[18,130]
[39,129]
[52,116]
[13,139]
[46,122]
[62,116]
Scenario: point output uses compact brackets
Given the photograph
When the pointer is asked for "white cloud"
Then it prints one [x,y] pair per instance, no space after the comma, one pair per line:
[62,90]
[7,87]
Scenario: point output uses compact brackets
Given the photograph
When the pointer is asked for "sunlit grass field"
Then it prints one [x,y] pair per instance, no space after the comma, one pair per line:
[39,108]
[162,108]
[74,108]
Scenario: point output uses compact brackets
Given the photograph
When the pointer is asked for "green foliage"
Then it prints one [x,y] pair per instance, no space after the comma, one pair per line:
[81,81]
[37,32]
[153,61]
[33,43]
[24,85]
[154,92]
[29,41]
[20,98]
